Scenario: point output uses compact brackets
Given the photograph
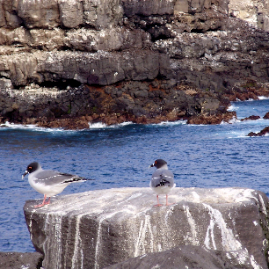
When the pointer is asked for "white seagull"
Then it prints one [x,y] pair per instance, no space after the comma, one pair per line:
[48,182]
[162,180]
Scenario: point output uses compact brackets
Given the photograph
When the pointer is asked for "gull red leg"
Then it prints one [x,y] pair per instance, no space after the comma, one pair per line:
[44,202]
[48,202]
[158,204]
[167,200]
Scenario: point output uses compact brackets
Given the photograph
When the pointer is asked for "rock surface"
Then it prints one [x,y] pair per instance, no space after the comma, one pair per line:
[191,257]
[266,116]
[263,132]
[75,109]
[16,260]
[253,117]
[218,49]
[100,228]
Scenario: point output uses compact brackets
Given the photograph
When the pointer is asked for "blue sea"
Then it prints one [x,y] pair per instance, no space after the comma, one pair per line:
[202,156]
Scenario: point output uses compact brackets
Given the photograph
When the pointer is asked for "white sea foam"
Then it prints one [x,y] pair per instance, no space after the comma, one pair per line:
[125,123]
[263,97]
[97,125]
[171,123]
[259,121]
[100,125]
[238,135]
[231,121]
[16,126]
[8,125]
[232,107]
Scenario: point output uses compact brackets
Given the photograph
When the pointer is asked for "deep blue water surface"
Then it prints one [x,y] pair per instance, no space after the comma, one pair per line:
[200,156]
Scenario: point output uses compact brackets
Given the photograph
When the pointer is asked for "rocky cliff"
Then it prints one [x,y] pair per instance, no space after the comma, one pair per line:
[118,60]
[204,228]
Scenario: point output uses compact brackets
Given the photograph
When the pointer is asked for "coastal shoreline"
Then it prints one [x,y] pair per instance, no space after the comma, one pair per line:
[79,108]
[144,63]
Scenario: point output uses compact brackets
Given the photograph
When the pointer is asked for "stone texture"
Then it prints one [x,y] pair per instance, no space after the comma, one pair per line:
[147,8]
[71,13]
[211,119]
[263,132]
[201,38]
[191,257]
[217,47]
[12,260]
[252,117]
[255,12]
[49,14]
[39,14]
[266,116]
[139,102]
[100,68]
[100,228]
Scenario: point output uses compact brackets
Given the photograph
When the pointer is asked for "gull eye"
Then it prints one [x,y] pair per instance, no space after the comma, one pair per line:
[30,168]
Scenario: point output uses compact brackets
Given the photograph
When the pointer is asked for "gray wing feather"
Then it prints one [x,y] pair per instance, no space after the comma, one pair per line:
[162,177]
[50,177]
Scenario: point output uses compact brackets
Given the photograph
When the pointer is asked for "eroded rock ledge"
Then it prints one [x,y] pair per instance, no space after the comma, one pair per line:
[188,58]
[99,228]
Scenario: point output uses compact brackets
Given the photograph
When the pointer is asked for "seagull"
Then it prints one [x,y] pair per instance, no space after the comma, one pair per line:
[162,180]
[48,182]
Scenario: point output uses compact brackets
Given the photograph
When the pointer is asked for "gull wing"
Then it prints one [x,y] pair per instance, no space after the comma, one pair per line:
[162,177]
[50,177]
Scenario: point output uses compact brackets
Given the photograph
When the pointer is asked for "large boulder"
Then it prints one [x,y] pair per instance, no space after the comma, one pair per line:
[99,228]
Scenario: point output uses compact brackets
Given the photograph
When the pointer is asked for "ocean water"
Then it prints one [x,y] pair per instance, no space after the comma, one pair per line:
[119,156]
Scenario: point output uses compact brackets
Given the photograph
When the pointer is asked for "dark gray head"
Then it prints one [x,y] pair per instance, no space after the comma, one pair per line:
[159,163]
[32,167]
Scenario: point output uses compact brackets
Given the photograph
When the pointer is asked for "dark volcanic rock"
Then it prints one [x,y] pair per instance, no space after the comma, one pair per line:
[261,133]
[139,102]
[253,117]
[266,116]
[191,257]
[16,260]
[212,46]
[215,119]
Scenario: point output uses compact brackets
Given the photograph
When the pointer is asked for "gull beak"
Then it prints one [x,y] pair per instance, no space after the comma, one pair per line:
[152,165]
[26,172]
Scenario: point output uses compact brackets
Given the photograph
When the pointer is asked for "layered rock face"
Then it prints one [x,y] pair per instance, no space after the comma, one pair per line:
[219,49]
[227,228]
